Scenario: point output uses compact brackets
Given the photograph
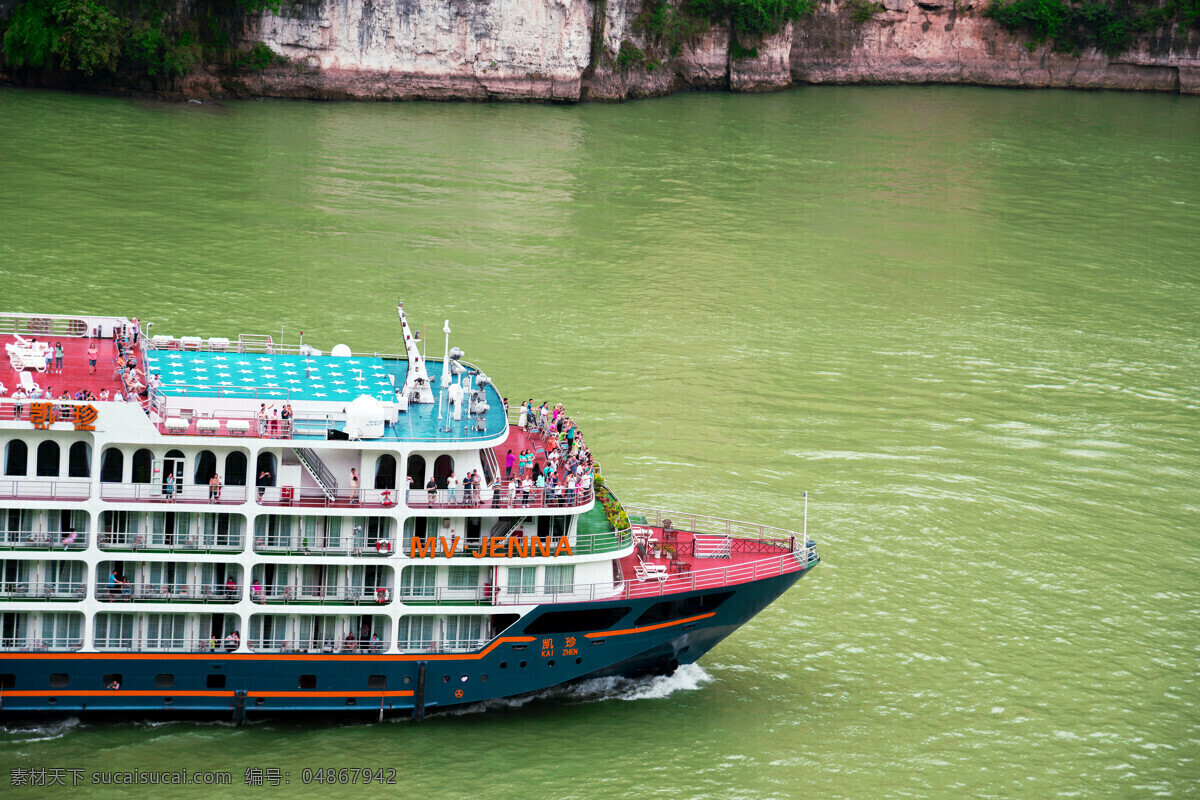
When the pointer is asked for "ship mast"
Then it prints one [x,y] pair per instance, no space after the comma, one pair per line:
[416,385]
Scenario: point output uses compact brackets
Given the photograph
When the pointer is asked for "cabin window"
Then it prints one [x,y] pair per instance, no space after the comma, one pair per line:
[522,579]
[59,680]
[416,471]
[48,456]
[569,621]
[376,681]
[215,681]
[112,465]
[235,469]
[560,578]
[16,458]
[164,680]
[79,460]
[143,465]
[385,472]
[264,471]
[204,468]
[308,681]
[442,469]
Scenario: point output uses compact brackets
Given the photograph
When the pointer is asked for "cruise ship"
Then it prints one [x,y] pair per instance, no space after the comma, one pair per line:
[238,526]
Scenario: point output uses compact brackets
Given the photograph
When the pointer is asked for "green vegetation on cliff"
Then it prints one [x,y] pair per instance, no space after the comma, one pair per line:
[1105,25]
[130,36]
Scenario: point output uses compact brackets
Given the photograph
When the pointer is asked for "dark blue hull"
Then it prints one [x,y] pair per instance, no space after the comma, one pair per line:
[628,637]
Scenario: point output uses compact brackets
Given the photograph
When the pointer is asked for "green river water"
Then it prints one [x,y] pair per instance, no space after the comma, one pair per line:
[965,320]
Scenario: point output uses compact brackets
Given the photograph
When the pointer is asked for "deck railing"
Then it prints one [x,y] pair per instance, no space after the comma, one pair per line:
[186,493]
[42,489]
[160,542]
[327,646]
[43,590]
[441,645]
[168,593]
[35,644]
[297,545]
[180,644]
[292,497]
[509,494]
[307,594]
[43,540]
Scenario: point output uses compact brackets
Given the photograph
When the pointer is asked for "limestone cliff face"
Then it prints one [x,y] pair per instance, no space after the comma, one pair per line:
[543,50]
[943,41]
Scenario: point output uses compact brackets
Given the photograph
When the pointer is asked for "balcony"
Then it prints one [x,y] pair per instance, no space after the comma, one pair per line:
[163,645]
[33,645]
[26,489]
[320,595]
[168,593]
[326,646]
[291,497]
[180,543]
[441,645]
[508,495]
[189,494]
[43,540]
[27,591]
[300,546]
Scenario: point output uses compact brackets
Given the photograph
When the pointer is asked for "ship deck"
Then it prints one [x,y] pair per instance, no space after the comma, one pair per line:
[75,374]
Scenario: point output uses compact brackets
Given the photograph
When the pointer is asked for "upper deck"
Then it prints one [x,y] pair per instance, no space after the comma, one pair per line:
[227,385]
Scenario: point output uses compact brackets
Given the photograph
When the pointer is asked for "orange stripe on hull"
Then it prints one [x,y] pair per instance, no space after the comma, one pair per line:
[605,634]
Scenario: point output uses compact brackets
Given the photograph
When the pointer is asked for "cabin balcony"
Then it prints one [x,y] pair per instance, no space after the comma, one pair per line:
[469,645]
[181,644]
[42,489]
[292,497]
[507,495]
[43,540]
[27,644]
[326,646]
[185,494]
[28,591]
[168,593]
[317,594]
[159,543]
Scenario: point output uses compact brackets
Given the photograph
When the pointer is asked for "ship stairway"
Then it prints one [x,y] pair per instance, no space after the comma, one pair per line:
[491,466]
[319,471]
[710,545]
[504,526]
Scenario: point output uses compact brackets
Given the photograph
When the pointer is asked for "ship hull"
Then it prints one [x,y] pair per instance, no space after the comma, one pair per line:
[650,635]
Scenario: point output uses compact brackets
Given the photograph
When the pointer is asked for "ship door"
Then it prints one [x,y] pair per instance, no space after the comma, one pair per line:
[172,465]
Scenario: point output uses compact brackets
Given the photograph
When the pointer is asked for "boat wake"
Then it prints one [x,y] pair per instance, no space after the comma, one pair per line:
[688,678]
[40,732]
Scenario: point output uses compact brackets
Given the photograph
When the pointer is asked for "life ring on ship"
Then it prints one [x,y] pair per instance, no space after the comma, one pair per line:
[381,595]
[386,496]
[383,546]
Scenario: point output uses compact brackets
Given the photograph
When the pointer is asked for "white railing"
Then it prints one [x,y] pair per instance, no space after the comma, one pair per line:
[43,590]
[509,494]
[42,489]
[192,542]
[293,497]
[44,540]
[272,594]
[168,593]
[179,644]
[441,645]
[297,544]
[328,646]
[185,493]
[35,644]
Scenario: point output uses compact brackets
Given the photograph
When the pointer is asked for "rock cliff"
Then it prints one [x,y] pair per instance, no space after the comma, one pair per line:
[571,50]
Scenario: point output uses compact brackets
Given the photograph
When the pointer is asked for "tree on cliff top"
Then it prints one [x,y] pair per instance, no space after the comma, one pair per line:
[755,17]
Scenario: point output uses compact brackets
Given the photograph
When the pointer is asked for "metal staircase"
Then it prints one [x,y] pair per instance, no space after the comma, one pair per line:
[320,473]
[504,526]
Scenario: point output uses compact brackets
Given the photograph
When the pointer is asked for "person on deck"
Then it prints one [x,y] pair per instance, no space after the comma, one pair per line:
[431,487]
[214,487]
[353,486]
[93,354]
[58,357]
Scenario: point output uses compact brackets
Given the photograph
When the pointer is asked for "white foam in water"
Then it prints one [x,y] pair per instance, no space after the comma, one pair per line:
[39,733]
[687,678]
